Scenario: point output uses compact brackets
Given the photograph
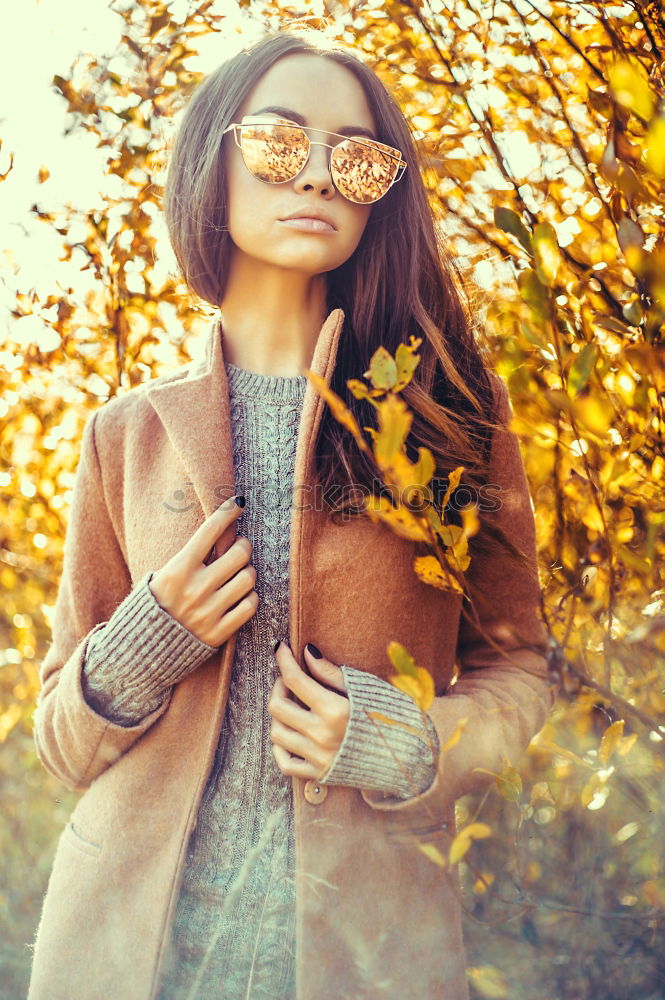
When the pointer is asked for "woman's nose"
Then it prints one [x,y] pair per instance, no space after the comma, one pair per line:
[318,162]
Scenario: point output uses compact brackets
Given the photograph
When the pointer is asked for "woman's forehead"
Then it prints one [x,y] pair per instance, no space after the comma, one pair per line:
[321,91]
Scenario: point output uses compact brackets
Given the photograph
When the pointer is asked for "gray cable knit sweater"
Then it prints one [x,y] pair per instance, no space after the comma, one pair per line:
[233,935]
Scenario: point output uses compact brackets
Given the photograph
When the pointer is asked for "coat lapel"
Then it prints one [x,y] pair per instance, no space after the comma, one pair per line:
[323,363]
[204,444]
[195,413]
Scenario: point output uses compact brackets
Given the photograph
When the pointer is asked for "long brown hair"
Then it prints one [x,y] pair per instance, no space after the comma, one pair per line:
[400,281]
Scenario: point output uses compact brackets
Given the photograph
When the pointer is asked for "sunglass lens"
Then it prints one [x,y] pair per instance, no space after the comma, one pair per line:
[274,153]
[362,171]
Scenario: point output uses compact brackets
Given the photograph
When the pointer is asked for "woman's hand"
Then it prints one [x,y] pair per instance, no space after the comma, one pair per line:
[314,733]
[213,600]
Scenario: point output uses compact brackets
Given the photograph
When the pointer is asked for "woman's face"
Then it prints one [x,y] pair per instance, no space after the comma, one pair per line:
[328,98]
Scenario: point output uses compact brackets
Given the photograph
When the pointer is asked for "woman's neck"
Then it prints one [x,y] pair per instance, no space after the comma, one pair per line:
[271,318]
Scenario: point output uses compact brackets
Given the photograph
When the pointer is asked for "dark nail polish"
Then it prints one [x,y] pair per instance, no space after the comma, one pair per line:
[240,501]
[314,651]
[278,644]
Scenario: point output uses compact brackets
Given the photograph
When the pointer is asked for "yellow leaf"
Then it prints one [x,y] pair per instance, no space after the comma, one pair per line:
[655,143]
[477,831]
[339,409]
[458,553]
[420,688]
[596,413]
[401,659]
[464,839]
[382,370]
[427,689]
[482,884]
[406,362]
[449,534]
[581,368]
[629,86]
[627,744]
[610,741]
[361,391]
[380,717]
[424,468]
[541,793]
[399,519]
[453,483]
[430,571]
[454,538]
[396,467]
[8,720]
[455,738]
[409,685]
[470,522]
[546,253]
[591,517]
[459,848]
[394,424]
[590,789]
[489,982]
[509,783]
[433,853]
[560,751]
[534,293]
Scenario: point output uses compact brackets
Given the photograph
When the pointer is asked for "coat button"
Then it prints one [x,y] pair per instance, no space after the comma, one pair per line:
[315,793]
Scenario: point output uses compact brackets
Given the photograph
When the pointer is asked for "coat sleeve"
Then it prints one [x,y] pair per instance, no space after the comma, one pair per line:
[74,742]
[393,752]
[501,696]
[130,665]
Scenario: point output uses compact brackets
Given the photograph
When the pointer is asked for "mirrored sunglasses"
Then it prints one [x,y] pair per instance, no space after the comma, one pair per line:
[276,150]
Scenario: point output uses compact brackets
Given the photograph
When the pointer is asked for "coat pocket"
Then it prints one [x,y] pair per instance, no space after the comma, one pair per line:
[78,839]
[426,833]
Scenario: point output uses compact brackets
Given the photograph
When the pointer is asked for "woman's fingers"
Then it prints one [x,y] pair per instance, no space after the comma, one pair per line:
[303,687]
[284,709]
[206,535]
[291,766]
[318,692]
[296,743]
[212,601]
[314,739]
[325,671]
[329,712]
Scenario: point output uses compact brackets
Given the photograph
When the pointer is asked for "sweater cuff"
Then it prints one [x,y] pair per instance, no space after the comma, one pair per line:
[131,663]
[390,745]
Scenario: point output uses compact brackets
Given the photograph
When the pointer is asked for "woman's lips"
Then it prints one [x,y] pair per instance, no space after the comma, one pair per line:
[309,225]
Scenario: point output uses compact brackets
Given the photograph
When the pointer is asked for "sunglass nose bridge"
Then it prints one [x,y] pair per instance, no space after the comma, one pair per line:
[318,152]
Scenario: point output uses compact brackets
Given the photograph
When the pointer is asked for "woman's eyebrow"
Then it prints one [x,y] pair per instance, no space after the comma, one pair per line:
[294,116]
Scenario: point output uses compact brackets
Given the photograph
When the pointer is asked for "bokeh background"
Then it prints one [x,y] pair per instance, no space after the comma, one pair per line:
[542,131]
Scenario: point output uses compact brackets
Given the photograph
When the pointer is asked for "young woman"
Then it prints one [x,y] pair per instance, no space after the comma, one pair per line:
[257,793]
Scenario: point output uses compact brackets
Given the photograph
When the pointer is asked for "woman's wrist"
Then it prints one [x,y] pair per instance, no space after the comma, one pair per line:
[143,651]
[390,744]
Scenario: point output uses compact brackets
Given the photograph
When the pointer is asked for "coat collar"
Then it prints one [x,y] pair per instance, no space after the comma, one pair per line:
[194,409]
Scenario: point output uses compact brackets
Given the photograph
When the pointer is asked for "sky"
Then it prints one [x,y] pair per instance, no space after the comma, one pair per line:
[46,38]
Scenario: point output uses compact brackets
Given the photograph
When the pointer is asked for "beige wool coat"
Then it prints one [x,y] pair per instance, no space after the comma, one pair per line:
[376,918]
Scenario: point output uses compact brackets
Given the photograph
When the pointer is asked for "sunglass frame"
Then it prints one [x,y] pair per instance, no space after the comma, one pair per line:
[236,127]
